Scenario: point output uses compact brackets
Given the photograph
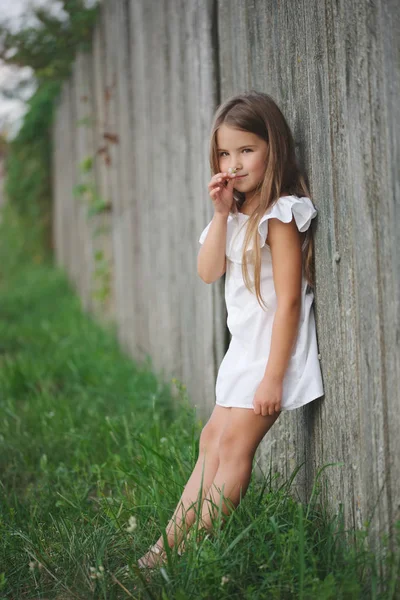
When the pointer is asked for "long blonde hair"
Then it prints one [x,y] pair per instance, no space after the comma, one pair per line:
[258,113]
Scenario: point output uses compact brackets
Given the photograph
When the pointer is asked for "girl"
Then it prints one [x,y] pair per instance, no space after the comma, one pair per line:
[262,217]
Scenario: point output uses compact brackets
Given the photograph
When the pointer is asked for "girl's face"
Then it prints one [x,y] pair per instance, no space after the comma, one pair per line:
[247,152]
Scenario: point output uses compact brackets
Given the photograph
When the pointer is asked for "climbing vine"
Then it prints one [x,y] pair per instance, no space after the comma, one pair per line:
[96,205]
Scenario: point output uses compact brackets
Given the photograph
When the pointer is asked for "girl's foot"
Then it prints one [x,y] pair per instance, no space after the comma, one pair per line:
[154,557]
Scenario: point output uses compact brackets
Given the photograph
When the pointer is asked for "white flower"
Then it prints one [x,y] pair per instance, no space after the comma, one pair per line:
[163,440]
[132,524]
[125,572]
[96,573]
[224,580]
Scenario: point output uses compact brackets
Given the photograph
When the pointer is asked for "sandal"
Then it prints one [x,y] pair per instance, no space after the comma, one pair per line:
[155,551]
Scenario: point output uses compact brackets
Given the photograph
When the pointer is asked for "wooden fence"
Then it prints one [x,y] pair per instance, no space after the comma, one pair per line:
[131,147]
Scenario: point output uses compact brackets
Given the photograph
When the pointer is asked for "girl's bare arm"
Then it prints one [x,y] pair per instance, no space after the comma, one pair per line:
[285,242]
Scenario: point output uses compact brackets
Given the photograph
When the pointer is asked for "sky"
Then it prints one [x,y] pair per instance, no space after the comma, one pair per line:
[12,9]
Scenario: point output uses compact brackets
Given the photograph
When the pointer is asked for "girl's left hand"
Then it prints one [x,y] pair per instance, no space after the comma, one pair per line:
[268,397]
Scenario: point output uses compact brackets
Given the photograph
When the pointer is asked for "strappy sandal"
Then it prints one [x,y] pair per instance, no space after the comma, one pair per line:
[160,552]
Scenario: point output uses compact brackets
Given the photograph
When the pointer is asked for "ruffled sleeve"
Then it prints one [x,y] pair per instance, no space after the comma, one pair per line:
[287,207]
[204,233]
[229,232]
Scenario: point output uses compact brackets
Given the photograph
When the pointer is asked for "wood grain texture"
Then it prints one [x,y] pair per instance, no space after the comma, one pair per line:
[156,74]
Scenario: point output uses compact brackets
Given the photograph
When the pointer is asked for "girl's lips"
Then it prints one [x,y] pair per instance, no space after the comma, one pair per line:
[240,176]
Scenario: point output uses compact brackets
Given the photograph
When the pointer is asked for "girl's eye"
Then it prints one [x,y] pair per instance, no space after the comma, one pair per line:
[244,149]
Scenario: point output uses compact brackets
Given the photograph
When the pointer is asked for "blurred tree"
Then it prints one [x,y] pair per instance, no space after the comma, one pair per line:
[47,44]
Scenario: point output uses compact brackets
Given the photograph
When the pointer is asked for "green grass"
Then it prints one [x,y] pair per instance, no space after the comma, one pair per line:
[88,439]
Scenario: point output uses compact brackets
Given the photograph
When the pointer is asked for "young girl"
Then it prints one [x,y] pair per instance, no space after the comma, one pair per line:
[262,218]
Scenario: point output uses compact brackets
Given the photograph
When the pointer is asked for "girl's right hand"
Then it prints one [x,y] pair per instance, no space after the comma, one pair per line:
[221,192]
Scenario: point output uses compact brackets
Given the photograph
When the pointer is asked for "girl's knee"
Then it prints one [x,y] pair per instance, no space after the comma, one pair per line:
[233,449]
[209,437]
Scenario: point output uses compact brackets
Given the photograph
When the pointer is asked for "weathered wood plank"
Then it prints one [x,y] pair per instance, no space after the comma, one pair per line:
[386,144]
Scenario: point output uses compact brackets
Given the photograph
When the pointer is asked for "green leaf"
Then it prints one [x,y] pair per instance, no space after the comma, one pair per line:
[97,207]
[86,165]
[85,122]
[80,189]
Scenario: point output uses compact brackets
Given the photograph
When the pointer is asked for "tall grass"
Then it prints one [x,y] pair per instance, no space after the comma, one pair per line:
[89,439]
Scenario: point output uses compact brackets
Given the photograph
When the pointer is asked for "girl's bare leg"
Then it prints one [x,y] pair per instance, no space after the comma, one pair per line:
[239,441]
[205,469]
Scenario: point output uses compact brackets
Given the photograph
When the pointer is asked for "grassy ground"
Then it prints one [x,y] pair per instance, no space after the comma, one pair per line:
[89,440]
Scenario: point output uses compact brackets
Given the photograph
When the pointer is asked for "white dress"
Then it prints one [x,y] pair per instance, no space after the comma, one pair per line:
[244,363]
